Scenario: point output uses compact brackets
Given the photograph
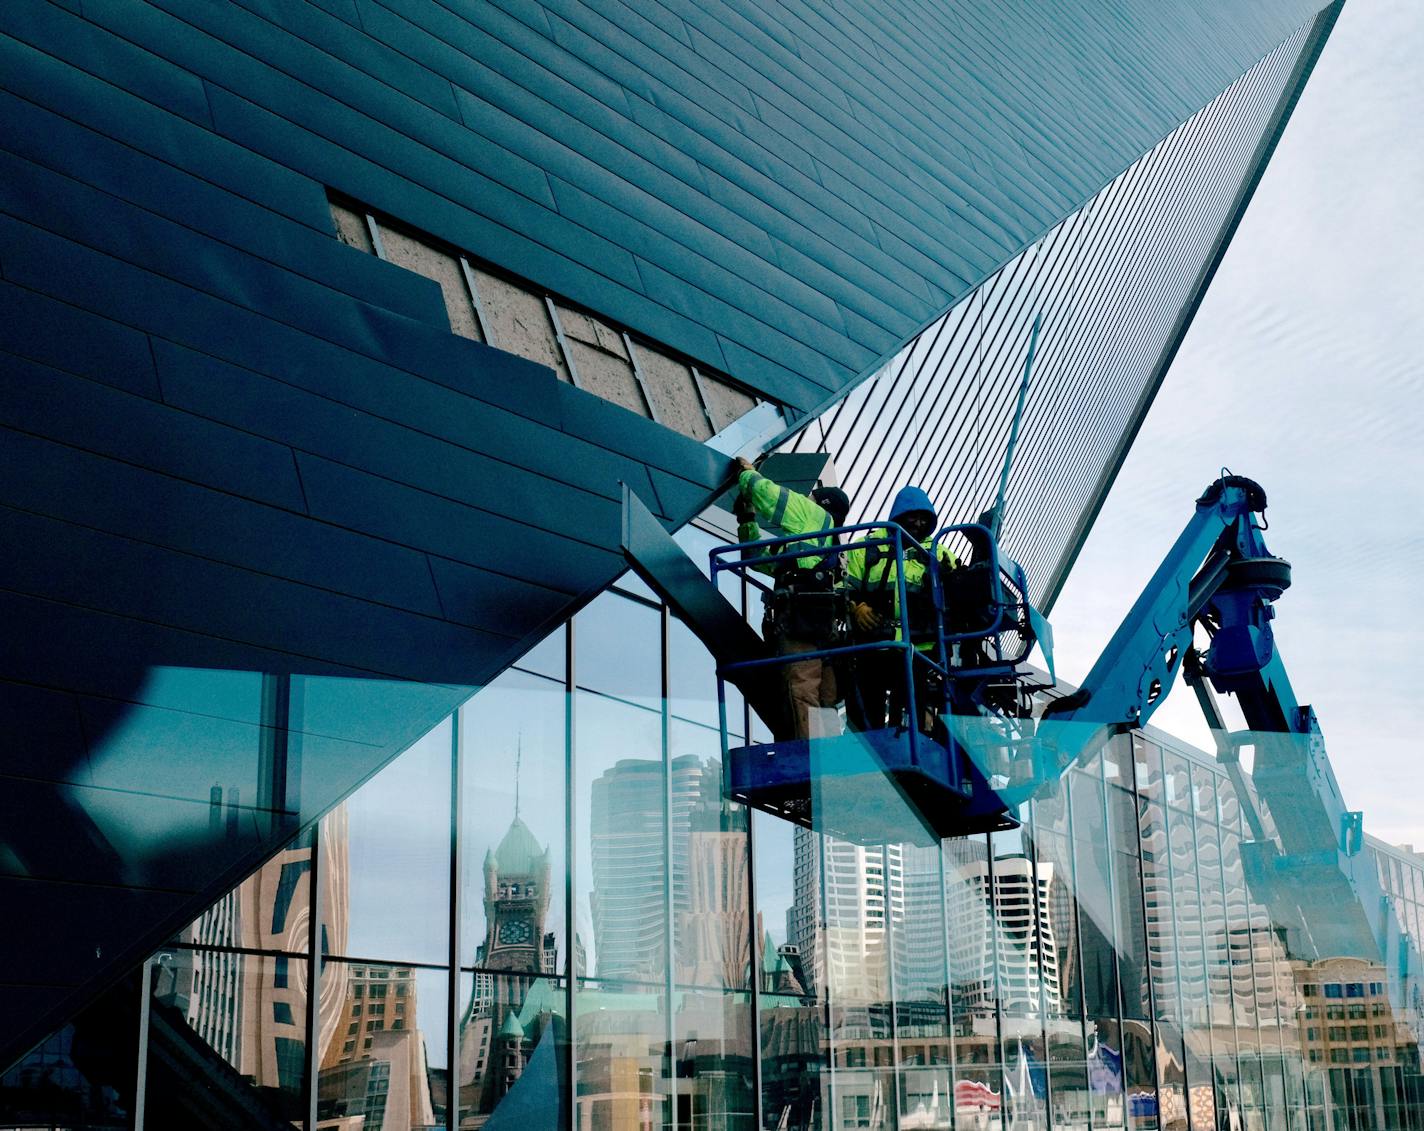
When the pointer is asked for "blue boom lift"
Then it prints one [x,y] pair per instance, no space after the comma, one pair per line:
[982,733]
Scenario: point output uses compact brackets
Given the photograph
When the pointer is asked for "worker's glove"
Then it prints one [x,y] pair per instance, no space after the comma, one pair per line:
[864,617]
[743,509]
[744,464]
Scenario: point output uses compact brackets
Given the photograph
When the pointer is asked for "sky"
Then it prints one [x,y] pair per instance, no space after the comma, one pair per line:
[1304,370]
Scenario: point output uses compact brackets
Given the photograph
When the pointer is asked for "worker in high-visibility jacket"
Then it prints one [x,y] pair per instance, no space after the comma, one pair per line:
[878,692]
[804,612]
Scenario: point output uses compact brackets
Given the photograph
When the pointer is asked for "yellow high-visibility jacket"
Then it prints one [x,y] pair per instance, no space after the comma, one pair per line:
[789,511]
[871,573]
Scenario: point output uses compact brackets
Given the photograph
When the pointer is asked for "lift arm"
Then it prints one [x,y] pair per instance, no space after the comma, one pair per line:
[1303,854]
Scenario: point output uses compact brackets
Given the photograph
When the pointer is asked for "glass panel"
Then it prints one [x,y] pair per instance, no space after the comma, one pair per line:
[82,1075]
[624,1031]
[395,870]
[978,1073]
[236,1021]
[513,1045]
[711,867]
[513,770]
[1140,1070]
[794,1067]
[383,1061]
[547,658]
[622,1074]
[268,910]
[710,1061]
[1159,898]
[618,649]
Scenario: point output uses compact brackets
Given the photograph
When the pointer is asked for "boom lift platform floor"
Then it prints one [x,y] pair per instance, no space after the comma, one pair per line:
[865,787]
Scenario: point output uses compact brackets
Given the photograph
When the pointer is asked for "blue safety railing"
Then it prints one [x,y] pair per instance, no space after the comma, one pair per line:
[1005,599]
[744,558]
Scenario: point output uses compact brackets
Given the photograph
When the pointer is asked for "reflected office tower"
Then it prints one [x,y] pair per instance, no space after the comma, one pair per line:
[517,949]
[711,916]
[377,1077]
[1350,1029]
[250,1011]
[1013,912]
[850,892]
[628,865]
[921,970]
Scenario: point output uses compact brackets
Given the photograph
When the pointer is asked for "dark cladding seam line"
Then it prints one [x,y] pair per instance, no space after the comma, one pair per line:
[1216,141]
[1112,299]
[961,466]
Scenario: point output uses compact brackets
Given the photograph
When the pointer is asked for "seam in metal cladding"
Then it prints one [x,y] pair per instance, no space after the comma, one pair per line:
[1116,285]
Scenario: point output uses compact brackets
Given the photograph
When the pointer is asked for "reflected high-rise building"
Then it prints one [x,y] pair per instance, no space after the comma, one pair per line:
[711,874]
[1003,938]
[630,836]
[845,894]
[250,1011]
[378,1074]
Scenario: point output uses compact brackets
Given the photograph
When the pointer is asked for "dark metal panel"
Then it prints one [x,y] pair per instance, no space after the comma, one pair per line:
[93,158]
[82,414]
[57,334]
[207,522]
[66,563]
[47,81]
[570,559]
[114,60]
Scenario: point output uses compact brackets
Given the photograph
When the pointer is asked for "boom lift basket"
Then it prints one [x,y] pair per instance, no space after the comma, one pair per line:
[859,785]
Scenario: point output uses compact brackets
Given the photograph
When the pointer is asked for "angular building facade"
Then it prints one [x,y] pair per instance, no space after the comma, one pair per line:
[366,793]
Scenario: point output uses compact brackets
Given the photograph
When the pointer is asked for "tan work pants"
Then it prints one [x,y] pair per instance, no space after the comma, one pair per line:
[810,691]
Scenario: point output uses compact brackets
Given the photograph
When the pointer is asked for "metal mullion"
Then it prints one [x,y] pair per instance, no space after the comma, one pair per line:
[570,893]
[903,448]
[1037,936]
[1012,287]
[1143,182]
[948,985]
[1096,214]
[374,230]
[145,1009]
[564,351]
[992,874]
[1152,1018]
[1179,248]
[996,281]
[1230,980]
[316,889]
[877,390]
[641,380]
[1147,189]
[888,906]
[876,463]
[1197,140]
[964,319]
[1192,168]
[821,942]
[1004,375]
[452,999]
[702,399]
[1072,850]
[665,735]
[476,301]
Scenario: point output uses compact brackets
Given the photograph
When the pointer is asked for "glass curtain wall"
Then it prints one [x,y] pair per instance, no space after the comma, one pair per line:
[544,914]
